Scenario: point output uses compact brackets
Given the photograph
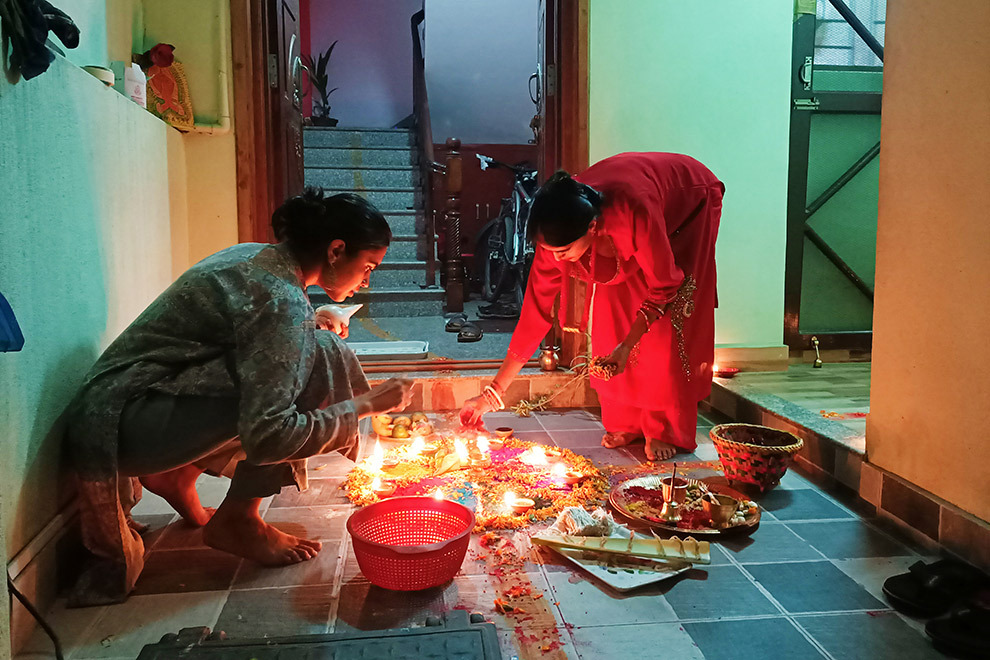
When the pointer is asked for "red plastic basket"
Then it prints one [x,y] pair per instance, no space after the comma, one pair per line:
[411,543]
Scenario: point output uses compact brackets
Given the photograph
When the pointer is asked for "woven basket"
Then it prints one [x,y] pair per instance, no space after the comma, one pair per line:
[753,454]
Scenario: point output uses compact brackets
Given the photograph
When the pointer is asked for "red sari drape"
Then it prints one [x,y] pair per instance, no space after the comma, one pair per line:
[660,217]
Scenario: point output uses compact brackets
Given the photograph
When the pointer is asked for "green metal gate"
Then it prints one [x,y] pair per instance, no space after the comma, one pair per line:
[833,175]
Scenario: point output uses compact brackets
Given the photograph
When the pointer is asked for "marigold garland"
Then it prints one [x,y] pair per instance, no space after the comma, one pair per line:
[488,485]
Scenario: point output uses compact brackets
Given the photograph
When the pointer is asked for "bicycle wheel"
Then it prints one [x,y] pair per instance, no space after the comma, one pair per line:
[491,259]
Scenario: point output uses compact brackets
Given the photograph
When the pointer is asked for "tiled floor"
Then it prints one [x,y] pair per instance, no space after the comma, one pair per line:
[806,584]
[842,388]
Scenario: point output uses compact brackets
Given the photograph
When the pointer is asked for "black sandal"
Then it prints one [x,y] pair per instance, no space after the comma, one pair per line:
[929,590]
[455,321]
[964,632]
[469,332]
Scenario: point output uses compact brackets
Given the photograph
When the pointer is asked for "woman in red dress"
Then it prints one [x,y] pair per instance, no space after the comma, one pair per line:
[640,228]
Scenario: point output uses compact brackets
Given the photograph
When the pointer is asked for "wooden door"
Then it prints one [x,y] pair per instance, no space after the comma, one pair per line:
[285,88]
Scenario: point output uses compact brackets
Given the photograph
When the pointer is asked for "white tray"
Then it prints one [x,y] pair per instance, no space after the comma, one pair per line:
[390,350]
[623,573]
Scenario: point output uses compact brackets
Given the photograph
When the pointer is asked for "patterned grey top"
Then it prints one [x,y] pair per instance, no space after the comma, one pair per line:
[238,323]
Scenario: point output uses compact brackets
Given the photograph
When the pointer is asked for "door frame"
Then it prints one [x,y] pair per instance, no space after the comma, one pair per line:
[805,103]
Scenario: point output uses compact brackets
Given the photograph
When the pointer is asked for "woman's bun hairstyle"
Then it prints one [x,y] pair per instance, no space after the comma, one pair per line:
[309,222]
[563,209]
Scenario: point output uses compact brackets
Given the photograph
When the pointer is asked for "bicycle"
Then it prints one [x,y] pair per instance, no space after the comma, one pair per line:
[504,251]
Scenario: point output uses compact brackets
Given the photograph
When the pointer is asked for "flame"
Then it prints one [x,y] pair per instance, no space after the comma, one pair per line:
[377,457]
[417,447]
[534,456]
[376,484]
[558,471]
[438,495]
[461,449]
[482,443]
[510,498]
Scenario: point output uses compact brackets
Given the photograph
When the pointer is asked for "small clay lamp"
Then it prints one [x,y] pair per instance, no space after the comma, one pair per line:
[572,477]
[429,449]
[724,372]
[382,489]
[519,505]
[389,462]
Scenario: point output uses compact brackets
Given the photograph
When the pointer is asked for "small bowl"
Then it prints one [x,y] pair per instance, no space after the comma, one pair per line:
[571,477]
[481,461]
[387,489]
[390,462]
[726,372]
[679,489]
[429,449]
[504,432]
[521,505]
[719,514]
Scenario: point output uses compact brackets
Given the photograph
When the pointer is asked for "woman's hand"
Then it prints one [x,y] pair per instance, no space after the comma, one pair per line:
[391,396]
[335,318]
[619,358]
[473,410]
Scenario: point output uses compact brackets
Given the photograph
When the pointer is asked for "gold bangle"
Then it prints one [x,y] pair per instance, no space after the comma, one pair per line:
[493,397]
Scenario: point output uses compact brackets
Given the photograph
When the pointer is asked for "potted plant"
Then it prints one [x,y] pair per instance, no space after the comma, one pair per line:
[317,72]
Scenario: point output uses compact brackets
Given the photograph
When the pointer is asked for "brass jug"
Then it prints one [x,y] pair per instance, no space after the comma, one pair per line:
[549,358]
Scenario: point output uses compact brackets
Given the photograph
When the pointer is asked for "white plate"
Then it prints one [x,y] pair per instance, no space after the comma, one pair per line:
[620,572]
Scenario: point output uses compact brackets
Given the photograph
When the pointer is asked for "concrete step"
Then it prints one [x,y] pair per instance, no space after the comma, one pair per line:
[360,157]
[398,178]
[409,301]
[407,248]
[399,274]
[386,199]
[407,222]
[314,136]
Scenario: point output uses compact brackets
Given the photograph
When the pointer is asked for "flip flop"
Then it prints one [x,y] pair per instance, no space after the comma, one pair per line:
[469,332]
[929,590]
[499,311]
[455,321]
[963,632]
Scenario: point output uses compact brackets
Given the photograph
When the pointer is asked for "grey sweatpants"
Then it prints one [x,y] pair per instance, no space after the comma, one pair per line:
[161,432]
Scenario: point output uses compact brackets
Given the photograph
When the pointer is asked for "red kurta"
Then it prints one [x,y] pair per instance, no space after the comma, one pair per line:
[661,214]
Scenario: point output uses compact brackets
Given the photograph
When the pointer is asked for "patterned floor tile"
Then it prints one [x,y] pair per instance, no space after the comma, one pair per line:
[319,570]
[311,522]
[517,643]
[321,492]
[124,629]
[813,587]
[364,606]
[714,592]
[586,602]
[757,639]
[651,640]
[276,612]
[588,438]
[494,420]
[772,542]
[868,636]
[849,539]
[569,420]
[601,456]
[477,593]
[805,504]
[178,571]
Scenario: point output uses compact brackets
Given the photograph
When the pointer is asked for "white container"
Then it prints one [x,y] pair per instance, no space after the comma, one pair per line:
[129,80]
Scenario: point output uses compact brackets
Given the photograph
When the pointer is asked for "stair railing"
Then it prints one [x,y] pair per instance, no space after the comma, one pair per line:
[424,137]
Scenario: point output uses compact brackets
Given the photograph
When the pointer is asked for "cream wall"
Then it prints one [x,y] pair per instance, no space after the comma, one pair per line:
[932,310]
[195,28]
[712,80]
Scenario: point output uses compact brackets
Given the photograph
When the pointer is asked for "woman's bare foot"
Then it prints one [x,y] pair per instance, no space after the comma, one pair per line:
[237,528]
[178,488]
[613,440]
[657,450]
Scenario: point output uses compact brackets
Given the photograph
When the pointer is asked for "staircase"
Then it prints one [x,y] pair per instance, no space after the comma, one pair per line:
[380,165]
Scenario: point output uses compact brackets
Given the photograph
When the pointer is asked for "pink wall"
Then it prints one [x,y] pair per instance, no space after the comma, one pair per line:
[372,63]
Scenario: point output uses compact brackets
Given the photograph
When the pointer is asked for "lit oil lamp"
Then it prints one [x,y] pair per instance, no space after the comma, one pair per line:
[534,456]
[479,453]
[430,448]
[416,448]
[724,372]
[382,490]
[438,494]
[572,477]
[377,458]
[557,472]
[462,451]
[519,505]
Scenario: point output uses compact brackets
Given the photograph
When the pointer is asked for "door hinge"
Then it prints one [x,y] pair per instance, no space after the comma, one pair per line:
[806,104]
[551,80]
[272,70]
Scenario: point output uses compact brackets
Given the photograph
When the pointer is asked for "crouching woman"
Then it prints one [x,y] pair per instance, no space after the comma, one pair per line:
[227,372]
